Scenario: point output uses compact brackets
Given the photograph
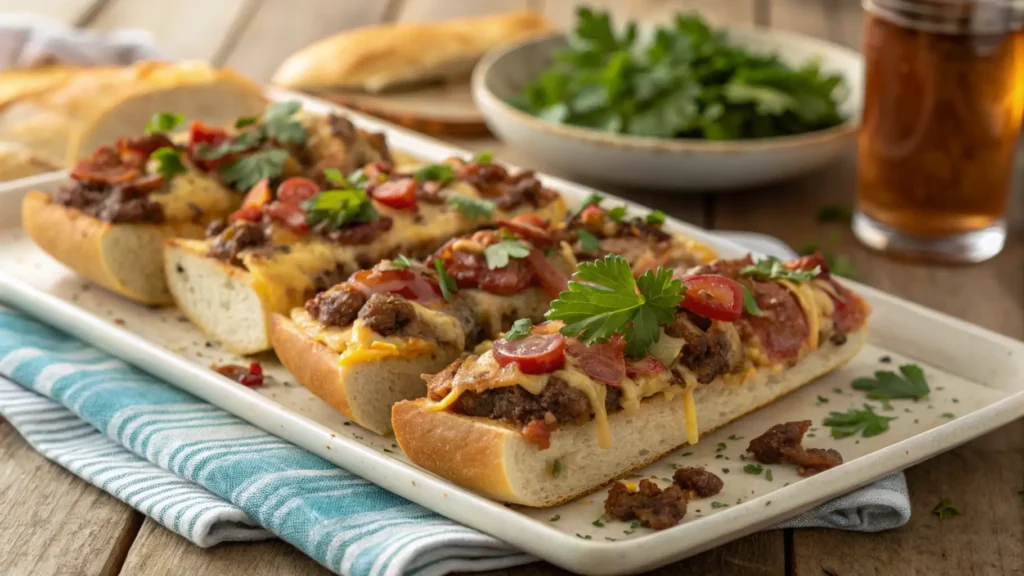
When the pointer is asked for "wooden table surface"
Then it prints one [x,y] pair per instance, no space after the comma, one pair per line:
[53,523]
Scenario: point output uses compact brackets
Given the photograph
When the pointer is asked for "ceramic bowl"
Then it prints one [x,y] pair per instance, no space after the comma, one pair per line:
[659,163]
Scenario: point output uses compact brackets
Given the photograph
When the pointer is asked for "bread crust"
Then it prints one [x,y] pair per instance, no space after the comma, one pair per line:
[473,452]
[376,58]
[18,161]
[75,239]
[314,365]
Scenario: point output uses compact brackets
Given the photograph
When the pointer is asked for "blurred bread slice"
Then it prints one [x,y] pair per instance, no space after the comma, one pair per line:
[378,58]
[18,161]
[64,113]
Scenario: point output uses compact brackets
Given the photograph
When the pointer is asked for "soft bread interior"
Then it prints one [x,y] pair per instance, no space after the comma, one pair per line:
[134,255]
[494,459]
[364,391]
[217,297]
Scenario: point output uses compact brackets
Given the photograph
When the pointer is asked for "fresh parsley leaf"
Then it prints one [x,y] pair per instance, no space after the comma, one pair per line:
[448,285]
[499,254]
[754,469]
[279,124]
[772,268]
[472,207]
[168,162]
[750,303]
[241,143]
[717,504]
[617,214]
[604,299]
[243,173]
[402,261]
[945,509]
[598,523]
[435,172]
[835,213]
[246,121]
[520,329]
[339,208]
[849,423]
[334,176]
[655,218]
[164,122]
[594,199]
[556,518]
[483,157]
[886,385]
[588,241]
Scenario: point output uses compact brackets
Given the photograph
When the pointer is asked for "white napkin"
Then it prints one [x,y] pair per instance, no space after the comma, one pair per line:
[29,40]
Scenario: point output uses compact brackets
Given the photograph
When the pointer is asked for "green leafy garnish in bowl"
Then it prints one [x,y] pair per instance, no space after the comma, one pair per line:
[687,81]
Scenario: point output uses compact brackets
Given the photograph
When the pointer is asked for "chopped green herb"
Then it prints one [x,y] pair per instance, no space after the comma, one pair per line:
[822,400]
[448,290]
[246,121]
[956,400]
[835,213]
[334,176]
[655,218]
[837,390]
[611,539]
[768,475]
[594,199]
[435,172]
[242,143]
[725,470]
[598,523]
[852,421]
[634,524]
[472,207]
[948,415]
[721,446]
[753,469]
[164,122]
[338,208]
[168,162]
[520,329]
[588,241]
[888,385]
[717,504]
[945,509]
[750,303]
[735,437]
[604,299]
[402,261]
[772,268]
[584,537]
[499,253]
[617,214]
[243,173]
[555,518]
[719,456]
[279,124]
[483,157]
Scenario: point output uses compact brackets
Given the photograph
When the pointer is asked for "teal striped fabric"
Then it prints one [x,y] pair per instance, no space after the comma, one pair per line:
[210,476]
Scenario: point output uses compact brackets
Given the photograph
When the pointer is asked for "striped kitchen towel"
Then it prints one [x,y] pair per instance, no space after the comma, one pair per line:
[209,476]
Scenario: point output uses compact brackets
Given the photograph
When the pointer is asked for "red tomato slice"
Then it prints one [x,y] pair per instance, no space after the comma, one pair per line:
[296,189]
[464,267]
[529,227]
[398,194]
[603,362]
[199,133]
[535,354]
[714,297]
[258,196]
[592,215]
[291,215]
[404,282]
[538,433]
[643,366]
[247,214]
[808,263]
[551,279]
[511,279]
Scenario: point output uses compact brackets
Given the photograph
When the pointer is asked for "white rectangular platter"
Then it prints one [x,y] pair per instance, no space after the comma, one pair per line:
[974,376]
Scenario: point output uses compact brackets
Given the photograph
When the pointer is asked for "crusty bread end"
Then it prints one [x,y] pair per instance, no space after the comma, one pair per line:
[493,458]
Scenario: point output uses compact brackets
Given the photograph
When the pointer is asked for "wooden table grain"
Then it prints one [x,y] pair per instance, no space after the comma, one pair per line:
[53,523]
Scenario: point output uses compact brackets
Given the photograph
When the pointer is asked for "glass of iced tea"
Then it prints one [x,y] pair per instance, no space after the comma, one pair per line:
[944,97]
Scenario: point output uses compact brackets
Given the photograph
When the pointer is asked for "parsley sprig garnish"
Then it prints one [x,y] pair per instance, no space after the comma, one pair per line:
[852,421]
[774,269]
[588,241]
[887,385]
[472,207]
[168,162]
[245,172]
[520,329]
[604,299]
[447,283]
[278,126]
[499,254]
[164,122]
[441,173]
[339,207]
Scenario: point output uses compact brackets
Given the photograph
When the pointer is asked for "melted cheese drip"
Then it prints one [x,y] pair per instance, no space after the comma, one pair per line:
[284,280]
[690,410]
[194,188]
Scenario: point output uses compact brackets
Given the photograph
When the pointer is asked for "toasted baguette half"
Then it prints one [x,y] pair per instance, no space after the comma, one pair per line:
[18,161]
[377,58]
[124,258]
[494,459]
[364,392]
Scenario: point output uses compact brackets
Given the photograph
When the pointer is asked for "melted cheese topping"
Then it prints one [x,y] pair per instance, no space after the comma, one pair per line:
[194,188]
[690,411]
[284,280]
[804,294]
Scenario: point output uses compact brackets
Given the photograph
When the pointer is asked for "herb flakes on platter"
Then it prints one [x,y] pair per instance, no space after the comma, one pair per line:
[688,81]
[945,509]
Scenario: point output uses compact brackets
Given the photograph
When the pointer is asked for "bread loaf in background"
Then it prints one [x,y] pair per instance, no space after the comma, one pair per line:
[378,58]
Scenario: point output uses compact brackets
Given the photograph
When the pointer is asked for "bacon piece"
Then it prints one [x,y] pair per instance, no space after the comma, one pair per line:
[537,432]
[603,362]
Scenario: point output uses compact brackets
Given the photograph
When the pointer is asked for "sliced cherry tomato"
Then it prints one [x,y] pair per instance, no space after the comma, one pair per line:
[404,282]
[643,366]
[296,189]
[512,279]
[291,215]
[535,354]
[808,263]
[537,432]
[529,227]
[551,279]
[247,214]
[592,216]
[199,133]
[714,297]
[258,196]
[464,267]
[398,194]
[603,362]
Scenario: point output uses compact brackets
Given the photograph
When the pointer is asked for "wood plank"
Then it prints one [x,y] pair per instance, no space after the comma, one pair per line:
[70,12]
[984,476]
[279,28]
[563,12]
[53,523]
[183,29]
[159,552]
[836,20]
[427,10]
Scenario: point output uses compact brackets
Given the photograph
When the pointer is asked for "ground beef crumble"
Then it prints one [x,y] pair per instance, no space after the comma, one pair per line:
[336,307]
[516,405]
[387,314]
[699,481]
[782,443]
[653,507]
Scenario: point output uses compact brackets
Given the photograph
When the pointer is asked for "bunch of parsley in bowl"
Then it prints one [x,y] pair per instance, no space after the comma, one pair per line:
[678,105]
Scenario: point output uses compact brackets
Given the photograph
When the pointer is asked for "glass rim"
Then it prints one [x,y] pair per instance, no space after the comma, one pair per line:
[977,17]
